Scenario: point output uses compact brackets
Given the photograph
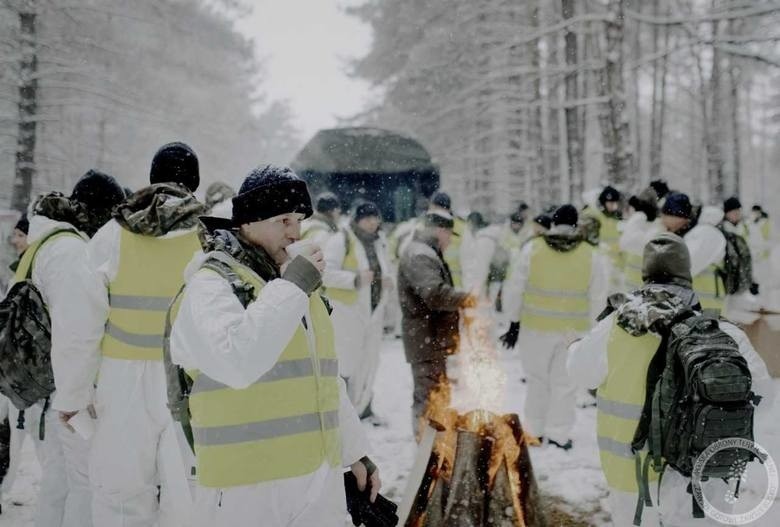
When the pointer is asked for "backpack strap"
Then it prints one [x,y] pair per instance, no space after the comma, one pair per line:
[242,290]
[24,271]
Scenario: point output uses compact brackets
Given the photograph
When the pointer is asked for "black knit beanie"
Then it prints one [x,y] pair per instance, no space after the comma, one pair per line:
[365,210]
[23,224]
[566,215]
[326,202]
[678,204]
[270,191]
[731,204]
[98,191]
[442,199]
[609,194]
[175,163]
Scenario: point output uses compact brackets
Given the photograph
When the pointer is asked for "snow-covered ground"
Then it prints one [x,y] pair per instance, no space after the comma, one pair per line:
[573,478]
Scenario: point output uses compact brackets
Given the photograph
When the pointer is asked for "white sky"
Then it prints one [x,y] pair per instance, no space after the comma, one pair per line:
[307,45]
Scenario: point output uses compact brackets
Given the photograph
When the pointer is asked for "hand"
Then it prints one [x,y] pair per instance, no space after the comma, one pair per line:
[365,278]
[509,339]
[361,472]
[66,416]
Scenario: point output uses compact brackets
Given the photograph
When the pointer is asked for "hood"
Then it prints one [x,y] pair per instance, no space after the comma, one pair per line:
[563,238]
[711,216]
[159,209]
[40,226]
[653,308]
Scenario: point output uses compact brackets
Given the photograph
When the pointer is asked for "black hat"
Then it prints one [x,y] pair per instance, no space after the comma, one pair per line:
[609,194]
[666,260]
[365,210]
[522,206]
[476,219]
[731,204]
[678,204]
[23,224]
[270,191]
[442,199]
[660,187]
[439,219]
[566,215]
[175,163]
[647,202]
[758,208]
[98,191]
[327,201]
[517,217]
[545,220]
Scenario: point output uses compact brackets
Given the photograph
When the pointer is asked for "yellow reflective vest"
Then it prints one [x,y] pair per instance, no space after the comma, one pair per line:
[350,263]
[608,235]
[151,272]
[557,294]
[286,424]
[620,399]
[27,260]
[710,289]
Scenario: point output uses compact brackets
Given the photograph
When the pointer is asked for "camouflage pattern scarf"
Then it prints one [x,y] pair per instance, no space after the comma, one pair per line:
[230,242]
[652,308]
[58,207]
[159,209]
[563,242]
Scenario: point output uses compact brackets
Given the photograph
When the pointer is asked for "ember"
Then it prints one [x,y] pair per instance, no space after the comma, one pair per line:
[478,469]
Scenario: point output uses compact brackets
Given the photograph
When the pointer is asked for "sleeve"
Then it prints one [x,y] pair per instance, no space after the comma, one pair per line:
[354,443]
[335,251]
[476,264]
[423,274]
[763,384]
[706,247]
[587,358]
[64,275]
[514,287]
[633,239]
[599,283]
[235,346]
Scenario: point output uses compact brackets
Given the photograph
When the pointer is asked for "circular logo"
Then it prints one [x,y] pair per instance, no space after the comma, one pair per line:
[736,476]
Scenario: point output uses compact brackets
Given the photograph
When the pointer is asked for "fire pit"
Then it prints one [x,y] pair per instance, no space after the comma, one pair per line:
[473,468]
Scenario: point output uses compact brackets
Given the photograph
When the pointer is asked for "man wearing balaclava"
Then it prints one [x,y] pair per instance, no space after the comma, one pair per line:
[139,259]
[56,262]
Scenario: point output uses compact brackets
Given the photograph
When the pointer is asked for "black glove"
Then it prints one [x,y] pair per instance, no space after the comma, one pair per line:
[754,288]
[302,273]
[509,339]
[381,513]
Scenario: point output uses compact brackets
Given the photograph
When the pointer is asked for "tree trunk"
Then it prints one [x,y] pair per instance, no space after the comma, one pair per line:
[715,174]
[574,147]
[735,75]
[28,105]
[550,184]
[615,130]
[660,68]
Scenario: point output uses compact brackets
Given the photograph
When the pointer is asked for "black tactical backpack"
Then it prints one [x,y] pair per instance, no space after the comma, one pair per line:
[26,376]
[698,392]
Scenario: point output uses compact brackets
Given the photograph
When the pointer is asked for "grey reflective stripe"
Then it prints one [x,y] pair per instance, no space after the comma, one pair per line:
[291,369]
[607,444]
[552,292]
[144,303]
[134,339]
[555,314]
[618,409]
[271,429]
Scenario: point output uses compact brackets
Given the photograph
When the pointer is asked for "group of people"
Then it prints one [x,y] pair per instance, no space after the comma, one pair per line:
[145,284]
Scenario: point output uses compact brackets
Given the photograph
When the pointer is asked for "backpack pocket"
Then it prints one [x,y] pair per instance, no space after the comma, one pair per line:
[714,423]
[722,380]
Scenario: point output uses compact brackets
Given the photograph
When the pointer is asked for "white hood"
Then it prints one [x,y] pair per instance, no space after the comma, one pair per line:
[40,226]
[711,215]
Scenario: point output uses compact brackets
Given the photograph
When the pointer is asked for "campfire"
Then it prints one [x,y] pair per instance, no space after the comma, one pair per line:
[473,467]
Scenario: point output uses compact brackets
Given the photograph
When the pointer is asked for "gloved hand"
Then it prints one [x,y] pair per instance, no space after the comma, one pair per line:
[509,339]
[304,274]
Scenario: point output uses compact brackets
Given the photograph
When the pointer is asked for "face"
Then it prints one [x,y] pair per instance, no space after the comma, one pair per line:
[335,214]
[19,241]
[612,206]
[369,224]
[734,216]
[674,223]
[274,234]
[444,236]
[516,227]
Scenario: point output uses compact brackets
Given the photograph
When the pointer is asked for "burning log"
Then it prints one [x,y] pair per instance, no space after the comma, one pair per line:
[466,502]
[491,482]
[501,508]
